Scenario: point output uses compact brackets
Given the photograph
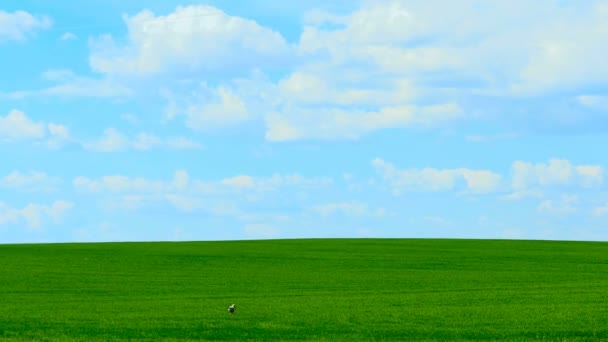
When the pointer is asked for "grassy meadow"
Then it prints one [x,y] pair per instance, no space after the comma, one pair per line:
[318,290]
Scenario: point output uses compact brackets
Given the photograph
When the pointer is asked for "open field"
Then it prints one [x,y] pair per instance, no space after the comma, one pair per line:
[323,290]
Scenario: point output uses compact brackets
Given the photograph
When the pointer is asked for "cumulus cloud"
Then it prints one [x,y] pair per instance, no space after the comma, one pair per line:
[389,64]
[193,37]
[241,181]
[527,179]
[21,25]
[32,181]
[181,143]
[432,179]
[521,194]
[58,131]
[229,109]
[384,65]
[34,215]
[335,123]
[319,87]
[552,45]
[16,126]
[601,210]
[568,54]
[114,141]
[188,194]
[120,183]
[596,102]
[68,36]
[554,172]
[565,205]
[69,84]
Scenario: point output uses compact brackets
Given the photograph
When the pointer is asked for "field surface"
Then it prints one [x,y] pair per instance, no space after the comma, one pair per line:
[319,290]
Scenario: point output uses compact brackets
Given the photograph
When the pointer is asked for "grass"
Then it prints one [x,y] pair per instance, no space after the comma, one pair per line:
[319,290]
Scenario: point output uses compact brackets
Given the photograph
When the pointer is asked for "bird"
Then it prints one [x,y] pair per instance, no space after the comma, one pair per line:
[232,309]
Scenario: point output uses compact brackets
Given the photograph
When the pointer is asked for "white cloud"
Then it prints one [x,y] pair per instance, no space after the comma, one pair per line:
[114,141]
[590,175]
[568,53]
[229,109]
[304,87]
[596,102]
[431,179]
[219,197]
[314,86]
[242,181]
[119,183]
[521,194]
[335,123]
[184,203]
[401,38]
[58,131]
[34,214]
[183,183]
[481,181]
[20,25]
[552,46]
[181,143]
[601,210]
[111,141]
[291,180]
[32,181]
[390,64]
[554,172]
[68,36]
[192,37]
[181,179]
[58,209]
[145,141]
[527,179]
[69,84]
[565,205]
[17,126]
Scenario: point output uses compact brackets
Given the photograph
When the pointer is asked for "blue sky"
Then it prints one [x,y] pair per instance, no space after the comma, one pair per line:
[170,120]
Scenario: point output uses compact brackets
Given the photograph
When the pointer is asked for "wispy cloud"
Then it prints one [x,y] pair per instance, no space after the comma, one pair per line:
[68,36]
[432,179]
[34,215]
[114,141]
[219,197]
[159,43]
[21,25]
[566,204]
[555,172]
[68,84]
[33,181]
[16,126]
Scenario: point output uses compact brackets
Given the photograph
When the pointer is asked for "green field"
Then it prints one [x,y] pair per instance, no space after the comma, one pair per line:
[320,290]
